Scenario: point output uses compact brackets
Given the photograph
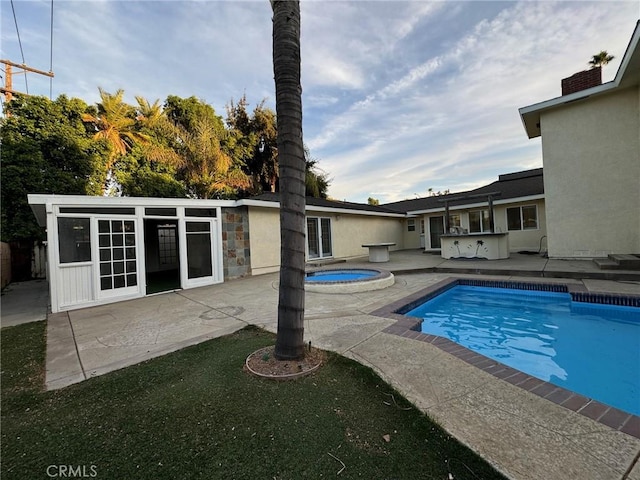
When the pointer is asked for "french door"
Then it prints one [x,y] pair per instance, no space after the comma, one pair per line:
[319,237]
[117,257]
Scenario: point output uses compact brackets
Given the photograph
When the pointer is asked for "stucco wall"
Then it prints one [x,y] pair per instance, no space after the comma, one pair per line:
[264,241]
[519,240]
[591,155]
[529,240]
[411,240]
[349,232]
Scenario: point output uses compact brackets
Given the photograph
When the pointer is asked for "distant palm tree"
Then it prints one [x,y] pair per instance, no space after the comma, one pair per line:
[149,114]
[600,59]
[286,69]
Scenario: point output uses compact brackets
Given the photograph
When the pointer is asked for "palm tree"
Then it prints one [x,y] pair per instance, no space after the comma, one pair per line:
[115,122]
[206,169]
[286,67]
[600,59]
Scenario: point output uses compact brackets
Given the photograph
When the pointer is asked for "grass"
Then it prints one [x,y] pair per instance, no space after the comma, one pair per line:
[195,414]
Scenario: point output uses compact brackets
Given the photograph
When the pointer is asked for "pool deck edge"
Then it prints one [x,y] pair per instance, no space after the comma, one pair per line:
[409,327]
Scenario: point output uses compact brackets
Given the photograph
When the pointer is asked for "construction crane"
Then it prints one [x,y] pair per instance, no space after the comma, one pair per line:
[7,90]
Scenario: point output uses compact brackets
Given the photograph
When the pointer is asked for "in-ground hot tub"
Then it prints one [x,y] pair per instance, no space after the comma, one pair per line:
[347,280]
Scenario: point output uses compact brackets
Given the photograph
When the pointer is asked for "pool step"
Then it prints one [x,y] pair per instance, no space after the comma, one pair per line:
[618,261]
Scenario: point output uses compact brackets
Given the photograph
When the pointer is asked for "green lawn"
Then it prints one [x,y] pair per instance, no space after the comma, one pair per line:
[195,414]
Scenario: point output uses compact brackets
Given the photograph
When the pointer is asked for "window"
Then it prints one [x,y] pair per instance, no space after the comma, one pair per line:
[411,225]
[167,244]
[479,221]
[200,212]
[319,237]
[74,240]
[454,220]
[160,212]
[522,218]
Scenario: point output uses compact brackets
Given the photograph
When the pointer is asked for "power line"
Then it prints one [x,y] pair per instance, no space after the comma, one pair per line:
[51,54]
[15,20]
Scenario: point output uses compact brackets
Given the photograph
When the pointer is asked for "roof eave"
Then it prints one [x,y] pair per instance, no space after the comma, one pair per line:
[466,206]
[530,115]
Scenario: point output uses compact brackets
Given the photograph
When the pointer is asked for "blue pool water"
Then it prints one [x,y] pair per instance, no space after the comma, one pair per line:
[340,275]
[590,349]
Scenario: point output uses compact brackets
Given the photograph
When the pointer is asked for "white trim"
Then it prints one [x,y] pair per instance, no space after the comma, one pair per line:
[319,227]
[522,229]
[317,208]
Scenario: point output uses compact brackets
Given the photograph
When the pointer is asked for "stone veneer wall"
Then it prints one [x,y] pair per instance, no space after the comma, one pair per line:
[236,253]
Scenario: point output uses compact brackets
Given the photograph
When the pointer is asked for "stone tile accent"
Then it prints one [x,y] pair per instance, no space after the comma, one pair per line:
[236,255]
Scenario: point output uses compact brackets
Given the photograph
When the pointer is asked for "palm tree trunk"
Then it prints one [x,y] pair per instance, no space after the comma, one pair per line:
[286,67]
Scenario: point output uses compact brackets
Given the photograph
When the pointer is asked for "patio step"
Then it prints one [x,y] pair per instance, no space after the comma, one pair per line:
[618,261]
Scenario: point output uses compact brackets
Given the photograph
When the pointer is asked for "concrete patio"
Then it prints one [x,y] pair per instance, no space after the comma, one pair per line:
[523,435]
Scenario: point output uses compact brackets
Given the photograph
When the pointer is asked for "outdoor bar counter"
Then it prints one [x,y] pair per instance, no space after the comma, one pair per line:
[492,246]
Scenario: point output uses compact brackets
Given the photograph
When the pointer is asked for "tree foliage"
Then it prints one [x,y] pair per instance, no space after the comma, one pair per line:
[600,59]
[178,148]
[45,149]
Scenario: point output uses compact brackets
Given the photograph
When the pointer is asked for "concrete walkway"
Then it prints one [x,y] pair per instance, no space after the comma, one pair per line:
[24,302]
[523,435]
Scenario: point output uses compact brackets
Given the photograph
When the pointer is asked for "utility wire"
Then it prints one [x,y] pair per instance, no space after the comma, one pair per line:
[15,20]
[51,55]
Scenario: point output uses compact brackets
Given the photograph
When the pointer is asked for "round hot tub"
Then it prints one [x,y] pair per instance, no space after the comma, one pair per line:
[347,280]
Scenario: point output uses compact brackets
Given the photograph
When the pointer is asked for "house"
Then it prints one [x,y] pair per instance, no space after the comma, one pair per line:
[514,204]
[591,158]
[108,249]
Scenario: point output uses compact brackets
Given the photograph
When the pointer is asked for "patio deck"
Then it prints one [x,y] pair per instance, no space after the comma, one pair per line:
[524,435]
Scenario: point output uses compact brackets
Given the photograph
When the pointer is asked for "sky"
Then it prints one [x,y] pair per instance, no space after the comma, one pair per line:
[398,97]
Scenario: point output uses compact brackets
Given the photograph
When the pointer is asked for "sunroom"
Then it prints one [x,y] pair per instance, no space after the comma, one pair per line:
[106,249]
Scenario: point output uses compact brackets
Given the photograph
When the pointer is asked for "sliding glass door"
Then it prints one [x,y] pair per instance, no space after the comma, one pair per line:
[319,237]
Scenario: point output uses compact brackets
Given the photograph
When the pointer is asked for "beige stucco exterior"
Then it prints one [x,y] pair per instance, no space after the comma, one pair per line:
[411,239]
[348,233]
[519,240]
[592,175]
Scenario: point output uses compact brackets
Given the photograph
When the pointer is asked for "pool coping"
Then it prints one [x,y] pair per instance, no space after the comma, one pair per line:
[409,327]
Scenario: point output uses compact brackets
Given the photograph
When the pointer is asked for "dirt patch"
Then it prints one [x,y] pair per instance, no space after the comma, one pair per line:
[263,363]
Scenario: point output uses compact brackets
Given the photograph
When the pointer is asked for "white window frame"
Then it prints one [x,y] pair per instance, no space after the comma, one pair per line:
[482,229]
[522,227]
[321,253]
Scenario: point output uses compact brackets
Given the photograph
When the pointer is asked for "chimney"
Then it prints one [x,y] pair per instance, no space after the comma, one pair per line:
[582,80]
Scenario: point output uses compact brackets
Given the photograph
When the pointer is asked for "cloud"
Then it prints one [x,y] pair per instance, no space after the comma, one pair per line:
[452,117]
[398,96]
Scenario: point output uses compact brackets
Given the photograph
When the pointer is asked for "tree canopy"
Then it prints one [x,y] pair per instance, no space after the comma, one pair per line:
[46,148]
[178,148]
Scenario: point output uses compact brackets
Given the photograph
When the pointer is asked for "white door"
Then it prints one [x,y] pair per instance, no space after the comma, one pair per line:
[199,245]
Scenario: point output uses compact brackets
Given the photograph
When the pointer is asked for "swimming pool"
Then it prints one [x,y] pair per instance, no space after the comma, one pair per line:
[587,348]
[340,275]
